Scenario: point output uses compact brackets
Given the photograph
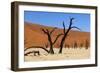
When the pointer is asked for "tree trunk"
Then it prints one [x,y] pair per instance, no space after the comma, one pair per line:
[63,40]
[51,50]
[61,45]
[66,34]
[51,45]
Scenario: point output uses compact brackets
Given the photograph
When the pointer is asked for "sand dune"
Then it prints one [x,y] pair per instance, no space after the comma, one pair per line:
[35,37]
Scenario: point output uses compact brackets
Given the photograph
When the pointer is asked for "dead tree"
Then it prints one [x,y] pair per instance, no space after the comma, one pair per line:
[81,45]
[67,46]
[75,45]
[86,44]
[26,54]
[37,47]
[51,43]
[66,32]
[49,35]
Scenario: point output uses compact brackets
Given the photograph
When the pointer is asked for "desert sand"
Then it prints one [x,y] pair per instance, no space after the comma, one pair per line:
[67,54]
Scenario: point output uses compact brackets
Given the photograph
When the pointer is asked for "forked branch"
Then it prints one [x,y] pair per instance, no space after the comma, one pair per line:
[53,30]
[57,38]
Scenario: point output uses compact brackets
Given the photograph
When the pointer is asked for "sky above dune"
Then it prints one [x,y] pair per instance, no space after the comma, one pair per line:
[56,19]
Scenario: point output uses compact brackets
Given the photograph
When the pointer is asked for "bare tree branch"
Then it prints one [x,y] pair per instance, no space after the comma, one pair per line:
[37,47]
[75,27]
[47,30]
[28,53]
[64,30]
[49,39]
[57,38]
[71,20]
[53,30]
[44,31]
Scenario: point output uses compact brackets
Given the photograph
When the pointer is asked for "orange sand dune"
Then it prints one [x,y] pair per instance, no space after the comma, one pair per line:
[35,37]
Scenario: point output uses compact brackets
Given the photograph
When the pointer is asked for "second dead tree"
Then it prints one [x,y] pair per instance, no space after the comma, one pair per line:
[66,32]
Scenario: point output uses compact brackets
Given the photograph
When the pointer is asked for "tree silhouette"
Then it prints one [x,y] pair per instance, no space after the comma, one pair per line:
[86,44]
[51,42]
[66,32]
[81,45]
[37,47]
[75,45]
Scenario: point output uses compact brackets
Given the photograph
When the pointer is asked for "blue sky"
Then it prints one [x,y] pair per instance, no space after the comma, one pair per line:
[55,19]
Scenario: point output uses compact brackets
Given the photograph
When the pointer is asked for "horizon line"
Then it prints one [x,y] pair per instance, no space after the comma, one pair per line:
[50,26]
